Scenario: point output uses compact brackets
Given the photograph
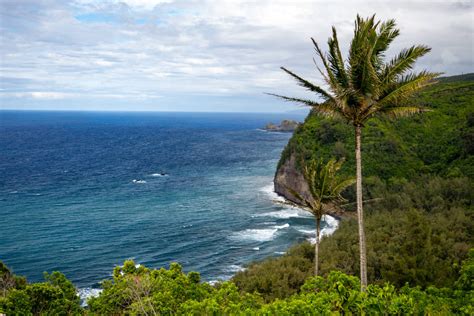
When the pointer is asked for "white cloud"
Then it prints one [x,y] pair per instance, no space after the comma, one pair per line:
[169,50]
[135,4]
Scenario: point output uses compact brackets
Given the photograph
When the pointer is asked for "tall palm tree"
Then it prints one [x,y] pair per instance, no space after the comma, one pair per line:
[325,189]
[363,86]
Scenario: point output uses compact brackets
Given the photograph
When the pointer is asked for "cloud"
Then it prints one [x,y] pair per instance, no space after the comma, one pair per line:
[169,54]
[41,95]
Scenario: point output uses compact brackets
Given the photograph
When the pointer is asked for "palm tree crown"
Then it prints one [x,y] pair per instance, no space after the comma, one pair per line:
[364,85]
[325,187]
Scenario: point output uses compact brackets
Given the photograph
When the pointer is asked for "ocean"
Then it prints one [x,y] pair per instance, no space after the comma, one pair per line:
[80,192]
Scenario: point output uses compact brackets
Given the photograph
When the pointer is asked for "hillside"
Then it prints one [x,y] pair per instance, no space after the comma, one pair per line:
[439,142]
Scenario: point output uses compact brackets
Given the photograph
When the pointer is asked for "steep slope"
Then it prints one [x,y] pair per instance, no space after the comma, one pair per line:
[439,142]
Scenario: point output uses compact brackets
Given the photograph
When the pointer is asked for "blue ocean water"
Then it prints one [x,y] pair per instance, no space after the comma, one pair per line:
[82,192]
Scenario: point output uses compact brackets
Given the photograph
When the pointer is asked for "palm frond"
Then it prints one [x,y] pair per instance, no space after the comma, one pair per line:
[326,109]
[341,186]
[308,85]
[336,61]
[403,62]
[330,76]
[362,71]
[402,111]
[404,88]
[387,33]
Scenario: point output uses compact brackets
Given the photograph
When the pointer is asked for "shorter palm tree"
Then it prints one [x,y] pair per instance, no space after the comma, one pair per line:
[325,189]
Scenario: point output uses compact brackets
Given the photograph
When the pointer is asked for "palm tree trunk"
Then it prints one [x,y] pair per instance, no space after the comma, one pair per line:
[316,247]
[360,212]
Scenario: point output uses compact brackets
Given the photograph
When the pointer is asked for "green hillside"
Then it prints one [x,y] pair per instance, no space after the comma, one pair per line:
[439,142]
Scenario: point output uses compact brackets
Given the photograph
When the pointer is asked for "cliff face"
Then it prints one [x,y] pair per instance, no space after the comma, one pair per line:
[288,176]
[438,142]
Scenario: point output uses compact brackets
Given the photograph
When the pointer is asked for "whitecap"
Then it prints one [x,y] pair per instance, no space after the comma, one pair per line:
[286,213]
[262,234]
[307,231]
[280,252]
[256,248]
[86,293]
[138,181]
[269,190]
[331,225]
[329,229]
[161,174]
[213,282]
[234,268]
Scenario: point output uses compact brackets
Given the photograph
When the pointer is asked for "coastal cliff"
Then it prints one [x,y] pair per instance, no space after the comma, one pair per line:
[392,151]
[289,176]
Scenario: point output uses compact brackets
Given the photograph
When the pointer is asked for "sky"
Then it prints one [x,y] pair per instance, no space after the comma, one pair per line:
[198,55]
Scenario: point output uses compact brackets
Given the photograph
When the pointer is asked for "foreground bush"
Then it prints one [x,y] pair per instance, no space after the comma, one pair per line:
[136,290]
[56,296]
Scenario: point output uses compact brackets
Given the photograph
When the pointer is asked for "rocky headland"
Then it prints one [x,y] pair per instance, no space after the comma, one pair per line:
[285,126]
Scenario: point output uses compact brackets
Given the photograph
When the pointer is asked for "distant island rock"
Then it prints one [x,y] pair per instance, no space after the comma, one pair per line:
[285,126]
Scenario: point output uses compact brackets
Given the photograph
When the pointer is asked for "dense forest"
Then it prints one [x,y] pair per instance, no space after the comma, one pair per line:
[438,142]
[418,187]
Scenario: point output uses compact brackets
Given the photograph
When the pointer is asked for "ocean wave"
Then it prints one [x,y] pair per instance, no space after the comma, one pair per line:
[261,234]
[160,174]
[234,268]
[86,293]
[331,225]
[138,181]
[286,213]
[307,231]
[213,282]
[269,190]
[329,229]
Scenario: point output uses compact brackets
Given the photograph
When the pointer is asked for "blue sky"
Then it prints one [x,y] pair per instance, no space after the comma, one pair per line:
[220,55]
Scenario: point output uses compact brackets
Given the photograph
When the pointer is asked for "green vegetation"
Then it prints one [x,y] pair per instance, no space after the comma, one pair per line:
[55,296]
[419,232]
[365,86]
[325,188]
[439,142]
[142,291]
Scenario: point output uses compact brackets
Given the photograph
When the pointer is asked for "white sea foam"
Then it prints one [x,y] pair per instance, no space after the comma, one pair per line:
[255,234]
[159,174]
[288,212]
[213,282]
[269,190]
[234,268]
[332,225]
[86,293]
[262,234]
[282,226]
[138,181]
[256,248]
[329,229]
[307,231]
